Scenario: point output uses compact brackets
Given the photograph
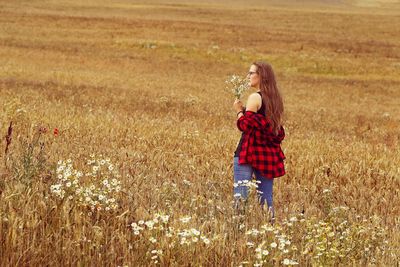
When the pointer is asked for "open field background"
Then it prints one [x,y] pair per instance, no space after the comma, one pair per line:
[143,84]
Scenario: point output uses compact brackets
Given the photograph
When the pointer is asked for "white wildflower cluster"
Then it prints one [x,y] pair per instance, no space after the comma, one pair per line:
[96,188]
[289,262]
[159,222]
[68,180]
[189,236]
[338,239]
[276,244]
[162,231]
[185,219]
[262,257]
[261,253]
[237,85]
[155,255]
[247,183]
[251,185]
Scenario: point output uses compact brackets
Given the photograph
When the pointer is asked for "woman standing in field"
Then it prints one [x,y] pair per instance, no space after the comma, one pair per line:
[259,150]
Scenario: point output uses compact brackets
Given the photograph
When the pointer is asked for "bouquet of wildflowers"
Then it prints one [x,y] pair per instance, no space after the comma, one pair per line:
[237,85]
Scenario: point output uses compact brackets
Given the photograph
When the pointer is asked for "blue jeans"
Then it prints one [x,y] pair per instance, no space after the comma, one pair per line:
[243,173]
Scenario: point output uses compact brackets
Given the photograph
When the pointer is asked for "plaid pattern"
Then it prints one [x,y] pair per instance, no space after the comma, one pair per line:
[261,148]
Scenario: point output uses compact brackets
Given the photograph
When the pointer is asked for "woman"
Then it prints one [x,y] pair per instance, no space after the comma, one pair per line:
[259,150]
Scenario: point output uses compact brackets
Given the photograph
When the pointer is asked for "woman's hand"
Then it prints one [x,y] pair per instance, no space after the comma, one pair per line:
[238,105]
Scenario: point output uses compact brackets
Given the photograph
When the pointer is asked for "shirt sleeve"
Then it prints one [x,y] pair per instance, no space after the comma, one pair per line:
[246,122]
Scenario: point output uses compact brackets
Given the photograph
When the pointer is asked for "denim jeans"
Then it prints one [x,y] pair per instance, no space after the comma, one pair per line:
[242,173]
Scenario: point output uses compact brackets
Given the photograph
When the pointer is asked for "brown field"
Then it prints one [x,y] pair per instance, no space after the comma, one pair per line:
[143,85]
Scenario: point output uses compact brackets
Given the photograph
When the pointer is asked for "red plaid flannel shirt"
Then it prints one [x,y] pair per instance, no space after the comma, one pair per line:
[261,148]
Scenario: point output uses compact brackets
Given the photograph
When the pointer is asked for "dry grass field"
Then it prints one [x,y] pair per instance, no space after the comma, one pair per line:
[141,85]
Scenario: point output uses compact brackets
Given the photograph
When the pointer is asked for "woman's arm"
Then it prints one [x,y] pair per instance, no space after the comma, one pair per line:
[253,104]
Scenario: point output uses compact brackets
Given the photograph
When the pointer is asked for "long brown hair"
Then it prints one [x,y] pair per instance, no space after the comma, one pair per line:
[270,95]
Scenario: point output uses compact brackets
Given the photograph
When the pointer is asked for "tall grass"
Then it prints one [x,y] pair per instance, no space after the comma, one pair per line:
[145,90]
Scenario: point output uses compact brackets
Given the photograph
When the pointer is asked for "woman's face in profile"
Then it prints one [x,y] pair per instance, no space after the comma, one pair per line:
[253,77]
